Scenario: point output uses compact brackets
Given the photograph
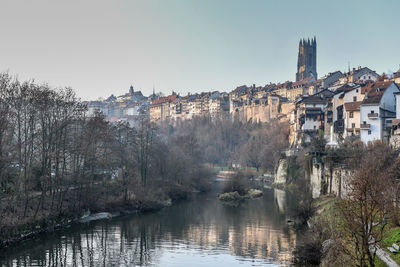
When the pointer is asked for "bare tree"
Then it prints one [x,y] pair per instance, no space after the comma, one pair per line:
[367,206]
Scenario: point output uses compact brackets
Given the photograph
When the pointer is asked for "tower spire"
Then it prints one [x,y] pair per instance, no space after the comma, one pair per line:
[307,59]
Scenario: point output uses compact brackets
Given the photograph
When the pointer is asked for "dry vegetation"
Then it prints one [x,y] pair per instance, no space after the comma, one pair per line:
[345,232]
[56,163]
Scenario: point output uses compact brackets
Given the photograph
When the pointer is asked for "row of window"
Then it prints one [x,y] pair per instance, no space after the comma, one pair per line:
[351,113]
[353,125]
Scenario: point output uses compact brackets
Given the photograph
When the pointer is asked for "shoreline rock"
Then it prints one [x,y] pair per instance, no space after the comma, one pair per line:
[255,193]
[236,197]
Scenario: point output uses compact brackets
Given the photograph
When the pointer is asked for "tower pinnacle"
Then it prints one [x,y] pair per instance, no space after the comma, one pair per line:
[307,59]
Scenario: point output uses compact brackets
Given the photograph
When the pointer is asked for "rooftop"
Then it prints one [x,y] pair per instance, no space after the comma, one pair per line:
[374,91]
[352,106]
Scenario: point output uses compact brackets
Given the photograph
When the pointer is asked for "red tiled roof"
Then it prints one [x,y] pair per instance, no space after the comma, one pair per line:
[302,82]
[395,122]
[352,106]
[345,88]
[132,105]
[164,99]
[373,86]
[314,100]
[286,84]
[374,92]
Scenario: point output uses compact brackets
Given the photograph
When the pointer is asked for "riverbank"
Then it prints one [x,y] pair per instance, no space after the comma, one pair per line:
[325,229]
[112,210]
[199,228]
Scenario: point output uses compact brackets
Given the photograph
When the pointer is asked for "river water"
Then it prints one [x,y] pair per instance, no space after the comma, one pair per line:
[196,232]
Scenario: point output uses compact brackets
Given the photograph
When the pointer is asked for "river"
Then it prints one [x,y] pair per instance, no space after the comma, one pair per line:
[196,232]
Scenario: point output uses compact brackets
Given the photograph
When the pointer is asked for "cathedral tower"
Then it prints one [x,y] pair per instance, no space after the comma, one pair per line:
[307,60]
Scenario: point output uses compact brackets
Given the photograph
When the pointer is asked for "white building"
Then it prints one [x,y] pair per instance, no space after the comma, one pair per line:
[342,123]
[360,75]
[96,106]
[132,110]
[377,110]
[308,117]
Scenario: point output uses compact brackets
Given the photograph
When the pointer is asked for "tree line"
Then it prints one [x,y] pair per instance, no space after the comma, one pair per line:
[57,162]
[224,141]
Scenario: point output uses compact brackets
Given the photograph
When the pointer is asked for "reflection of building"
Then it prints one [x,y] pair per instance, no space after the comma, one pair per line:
[198,227]
[262,242]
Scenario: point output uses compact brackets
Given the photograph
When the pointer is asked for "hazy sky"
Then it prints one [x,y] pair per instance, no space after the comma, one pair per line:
[102,47]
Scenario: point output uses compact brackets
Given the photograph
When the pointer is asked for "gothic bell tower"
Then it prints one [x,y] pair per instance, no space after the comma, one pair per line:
[307,59]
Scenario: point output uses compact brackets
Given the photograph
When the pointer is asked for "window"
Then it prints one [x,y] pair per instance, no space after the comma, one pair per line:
[351,114]
[353,125]
[369,132]
[372,111]
[364,122]
[354,98]
[315,127]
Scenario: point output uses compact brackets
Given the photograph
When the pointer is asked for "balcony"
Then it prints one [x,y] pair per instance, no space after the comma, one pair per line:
[373,116]
[365,126]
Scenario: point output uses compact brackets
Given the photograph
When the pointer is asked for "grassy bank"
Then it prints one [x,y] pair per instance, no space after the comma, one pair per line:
[327,223]
[392,236]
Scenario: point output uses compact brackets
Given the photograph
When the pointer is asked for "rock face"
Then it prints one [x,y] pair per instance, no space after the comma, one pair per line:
[281,173]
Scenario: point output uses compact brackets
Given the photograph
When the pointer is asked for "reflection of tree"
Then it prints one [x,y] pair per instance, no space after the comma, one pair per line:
[255,229]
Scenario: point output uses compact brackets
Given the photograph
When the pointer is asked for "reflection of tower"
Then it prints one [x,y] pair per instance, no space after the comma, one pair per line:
[307,59]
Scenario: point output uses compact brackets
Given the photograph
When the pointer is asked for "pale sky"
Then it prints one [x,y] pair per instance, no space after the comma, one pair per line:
[101,47]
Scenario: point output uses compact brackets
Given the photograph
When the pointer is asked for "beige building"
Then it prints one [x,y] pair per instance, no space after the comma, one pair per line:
[160,108]
[260,110]
[352,118]
[396,77]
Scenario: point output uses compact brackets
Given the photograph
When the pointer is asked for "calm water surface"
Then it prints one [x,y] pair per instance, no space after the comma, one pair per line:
[197,232]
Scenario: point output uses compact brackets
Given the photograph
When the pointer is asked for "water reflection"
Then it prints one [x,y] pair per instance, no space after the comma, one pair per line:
[200,232]
[280,198]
